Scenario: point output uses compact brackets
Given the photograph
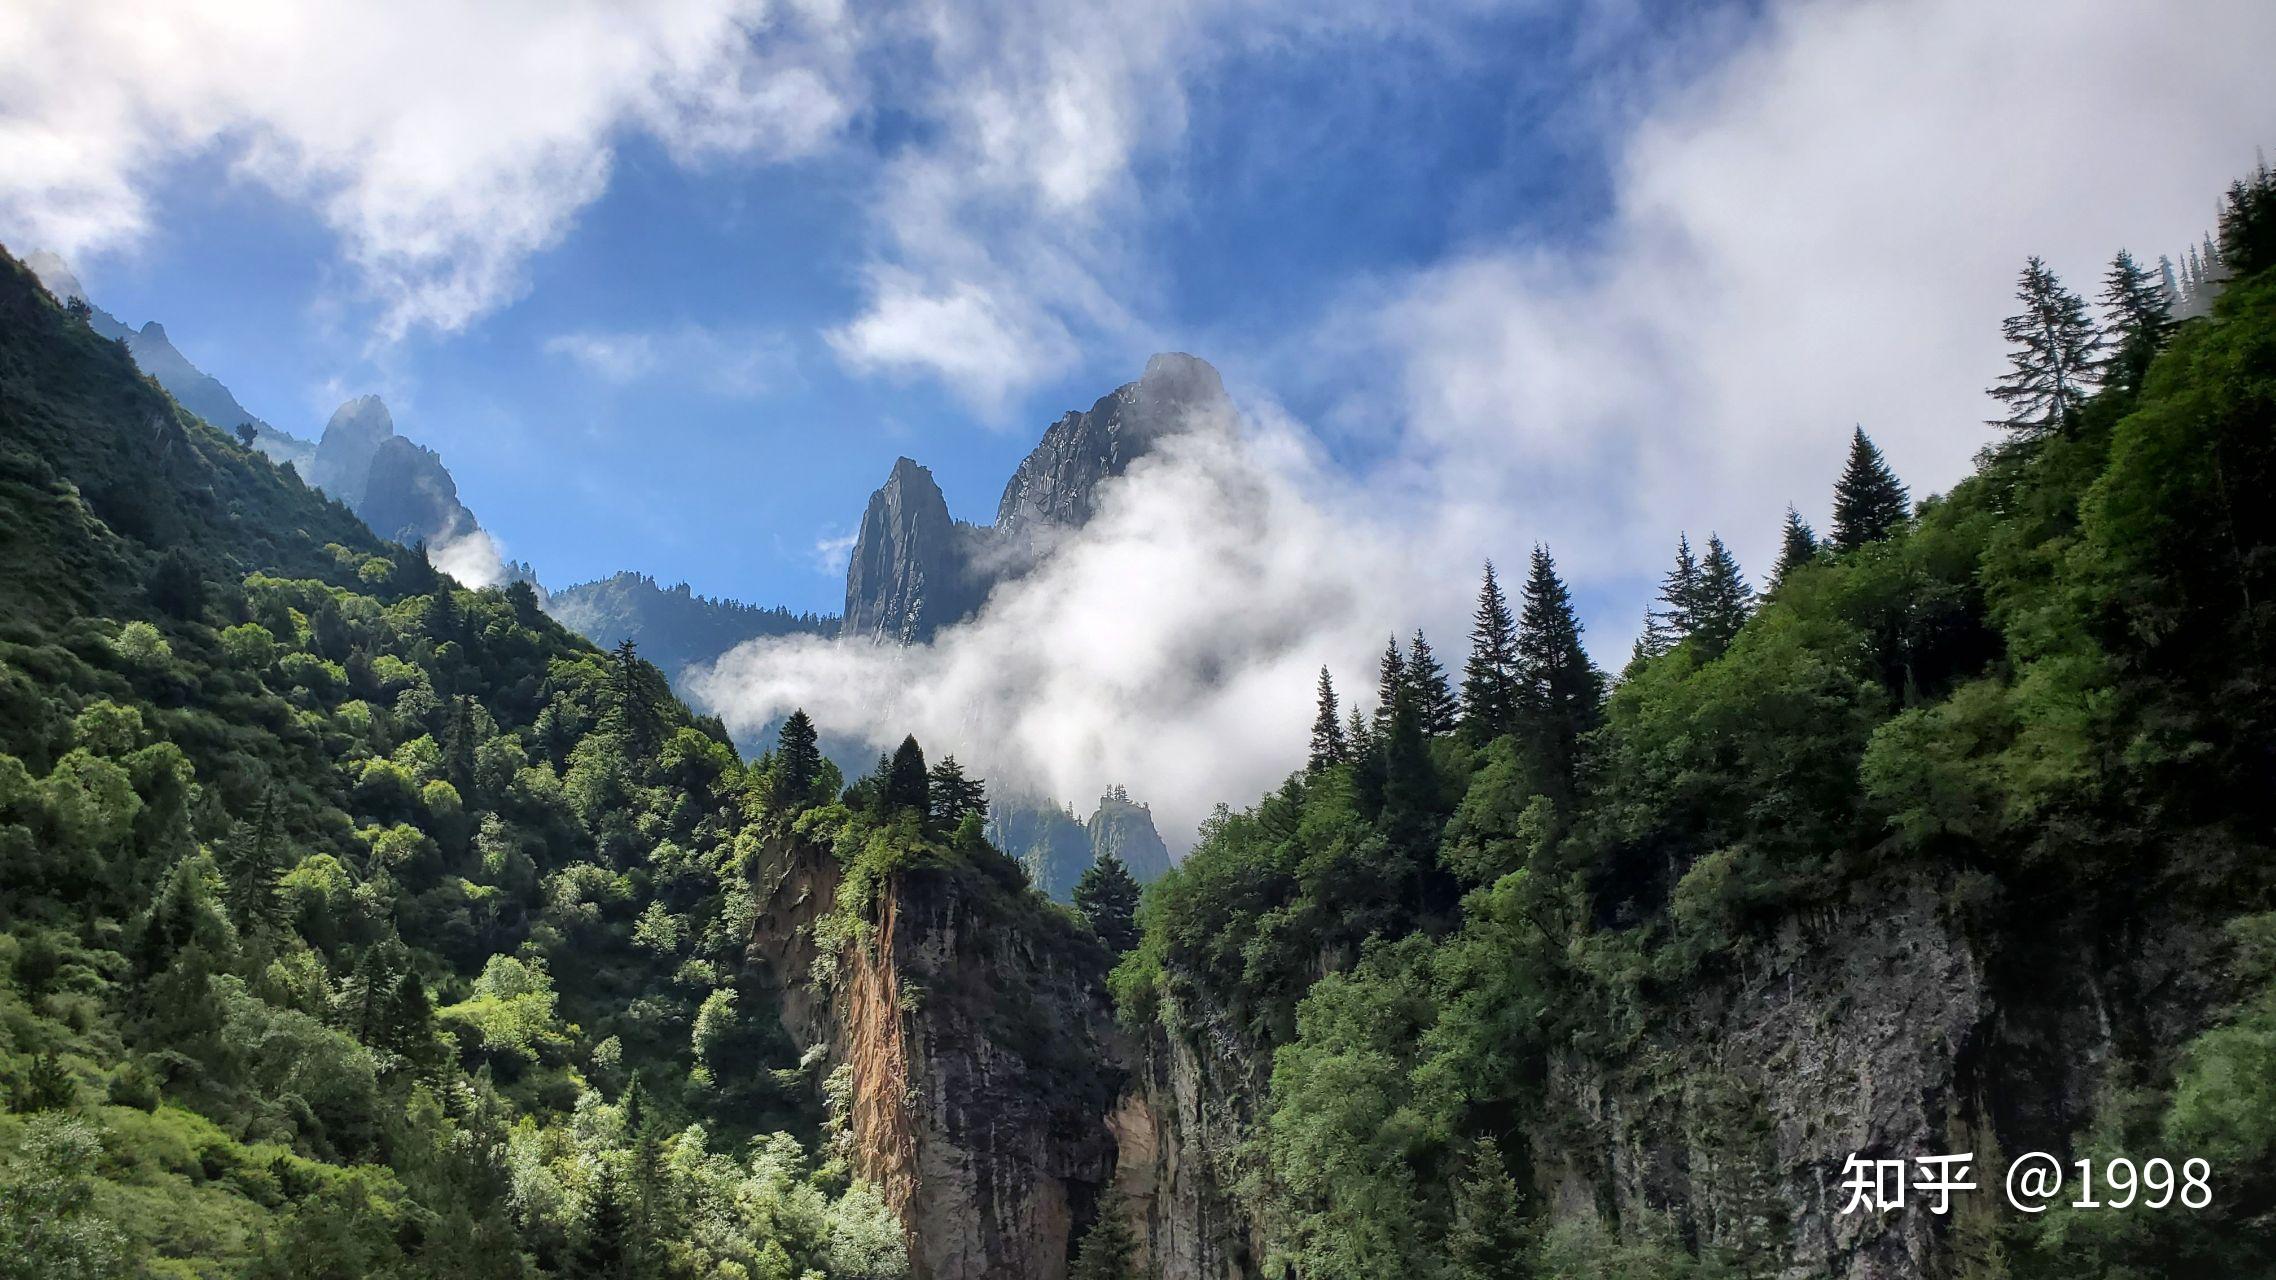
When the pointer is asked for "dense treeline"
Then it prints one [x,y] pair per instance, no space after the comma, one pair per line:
[2047,695]
[357,924]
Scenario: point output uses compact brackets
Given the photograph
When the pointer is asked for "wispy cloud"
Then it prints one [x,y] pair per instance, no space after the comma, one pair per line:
[1820,229]
[442,143]
[734,363]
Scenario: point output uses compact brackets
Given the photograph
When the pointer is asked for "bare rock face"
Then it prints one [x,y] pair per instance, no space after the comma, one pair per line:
[349,443]
[916,570]
[910,572]
[1056,485]
[977,1042]
[1183,1132]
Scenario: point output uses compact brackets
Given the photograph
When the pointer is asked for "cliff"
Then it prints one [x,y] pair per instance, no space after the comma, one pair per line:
[915,569]
[910,573]
[969,1042]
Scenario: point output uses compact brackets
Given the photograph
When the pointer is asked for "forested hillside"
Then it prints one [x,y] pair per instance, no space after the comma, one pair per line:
[1957,839]
[357,924]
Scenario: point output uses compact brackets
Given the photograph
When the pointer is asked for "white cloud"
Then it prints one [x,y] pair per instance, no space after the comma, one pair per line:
[442,143]
[1172,646]
[830,552]
[1821,229]
[737,363]
[474,559]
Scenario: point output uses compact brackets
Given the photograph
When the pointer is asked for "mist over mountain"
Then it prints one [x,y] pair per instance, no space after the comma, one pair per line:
[915,569]
[674,627]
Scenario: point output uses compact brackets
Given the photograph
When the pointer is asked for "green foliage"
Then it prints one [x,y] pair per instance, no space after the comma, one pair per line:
[2047,696]
[271,791]
[1107,898]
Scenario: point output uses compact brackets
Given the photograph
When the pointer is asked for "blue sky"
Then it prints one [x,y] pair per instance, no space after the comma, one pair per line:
[1301,168]
[670,286]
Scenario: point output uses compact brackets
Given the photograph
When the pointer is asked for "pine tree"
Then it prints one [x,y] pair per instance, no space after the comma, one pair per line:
[950,795]
[604,1243]
[1390,682]
[1107,897]
[1869,502]
[1678,615]
[798,764]
[458,746]
[176,587]
[1797,546]
[1108,1251]
[2138,316]
[252,864]
[1328,745]
[1560,692]
[2054,359]
[907,785]
[634,714]
[1724,600]
[1486,1240]
[1434,697]
[407,1023]
[1489,678]
[1359,736]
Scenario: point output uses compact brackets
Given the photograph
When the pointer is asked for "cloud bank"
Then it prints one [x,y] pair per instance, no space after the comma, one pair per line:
[441,143]
[1821,229]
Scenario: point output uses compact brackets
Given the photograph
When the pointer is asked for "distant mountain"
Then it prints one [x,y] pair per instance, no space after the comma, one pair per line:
[915,569]
[1056,847]
[674,627]
[400,488]
[155,354]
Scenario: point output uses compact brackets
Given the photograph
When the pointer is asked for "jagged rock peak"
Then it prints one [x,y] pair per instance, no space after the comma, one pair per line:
[1056,485]
[907,576]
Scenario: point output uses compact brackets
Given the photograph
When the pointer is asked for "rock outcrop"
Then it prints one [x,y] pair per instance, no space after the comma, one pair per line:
[916,570]
[911,570]
[973,1039]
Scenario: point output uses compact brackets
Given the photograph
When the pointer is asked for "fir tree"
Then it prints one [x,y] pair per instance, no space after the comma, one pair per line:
[1869,502]
[458,746]
[907,784]
[176,586]
[950,795]
[2248,224]
[2052,366]
[1390,682]
[1797,546]
[1107,897]
[797,764]
[604,1243]
[252,865]
[407,1022]
[1486,1240]
[1328,745]
[1359,736]
[1723,602]
[633,711]
[1434,697]
[1108,1251]
[2138,316]
[1489,678]
[1674,621]
[1560,692]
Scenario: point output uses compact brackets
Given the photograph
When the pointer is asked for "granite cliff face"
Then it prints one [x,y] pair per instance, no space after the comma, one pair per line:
[968,1041]
[916,570]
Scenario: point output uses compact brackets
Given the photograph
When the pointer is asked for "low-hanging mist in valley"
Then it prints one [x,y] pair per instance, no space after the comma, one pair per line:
[1808,232]
[1170,644]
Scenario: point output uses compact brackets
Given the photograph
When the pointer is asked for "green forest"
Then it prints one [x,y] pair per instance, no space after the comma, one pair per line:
[360,924]
[2044,698]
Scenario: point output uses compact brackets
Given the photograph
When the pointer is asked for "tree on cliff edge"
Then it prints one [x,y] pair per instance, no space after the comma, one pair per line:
[1107,897]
